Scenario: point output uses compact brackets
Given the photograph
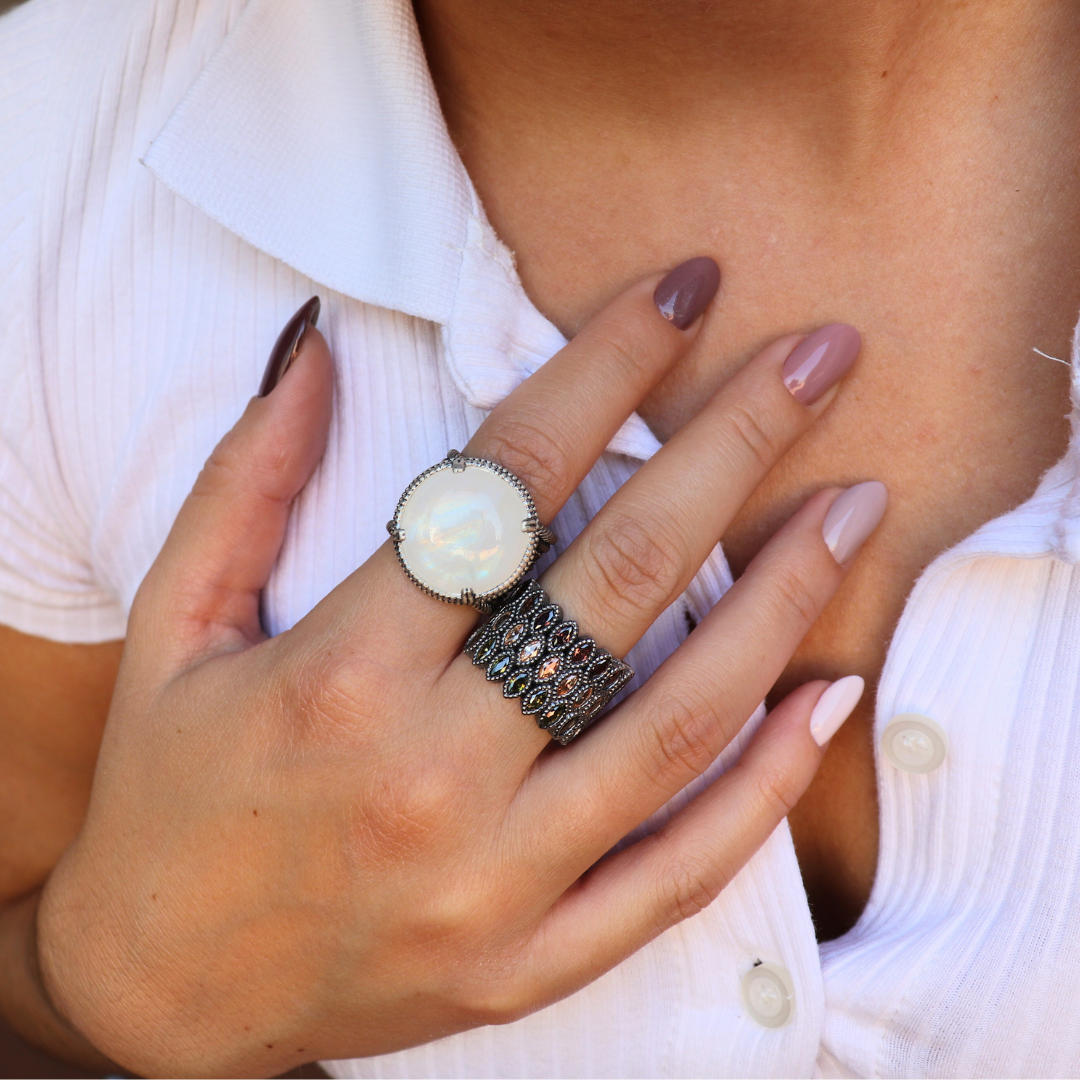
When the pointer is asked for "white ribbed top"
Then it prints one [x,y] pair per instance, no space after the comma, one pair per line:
[176,177]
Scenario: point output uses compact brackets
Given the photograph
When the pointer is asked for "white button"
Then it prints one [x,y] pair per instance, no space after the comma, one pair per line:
[768,995]
[914,743]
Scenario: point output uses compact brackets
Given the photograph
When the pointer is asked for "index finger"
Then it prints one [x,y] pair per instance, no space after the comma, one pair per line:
[548,432]
[552,428]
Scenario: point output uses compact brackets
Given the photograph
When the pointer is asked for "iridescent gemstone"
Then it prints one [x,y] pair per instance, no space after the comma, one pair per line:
[552,716]
[600,668]
[534,700]
[530,651]
[547,617]
[581,652]
[499,668]
[516,684]
[567,685]
[563,634]
[462,530]
[484,650]
[514,634]
[548,669]
[583,698]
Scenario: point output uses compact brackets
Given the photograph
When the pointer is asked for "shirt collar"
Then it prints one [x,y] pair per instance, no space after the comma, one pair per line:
[315,134]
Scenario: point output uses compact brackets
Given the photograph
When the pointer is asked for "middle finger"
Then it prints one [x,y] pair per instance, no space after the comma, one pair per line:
[644,547]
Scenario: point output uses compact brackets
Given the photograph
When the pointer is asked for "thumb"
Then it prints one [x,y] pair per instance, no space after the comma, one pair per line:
[201,596]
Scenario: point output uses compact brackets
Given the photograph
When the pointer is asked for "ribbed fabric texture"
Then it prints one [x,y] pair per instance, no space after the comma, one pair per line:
[296,147]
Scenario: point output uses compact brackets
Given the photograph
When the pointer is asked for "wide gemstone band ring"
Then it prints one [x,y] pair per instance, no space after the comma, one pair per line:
[466,531]
[560,676]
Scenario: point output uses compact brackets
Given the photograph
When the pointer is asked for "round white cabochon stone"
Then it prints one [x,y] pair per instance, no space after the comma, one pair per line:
[463,531]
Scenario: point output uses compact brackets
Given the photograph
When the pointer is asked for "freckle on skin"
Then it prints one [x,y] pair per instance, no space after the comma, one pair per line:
[255,812]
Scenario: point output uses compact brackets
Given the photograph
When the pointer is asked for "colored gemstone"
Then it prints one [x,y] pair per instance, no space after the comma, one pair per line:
[528,603]
[499,621]
[463,530]
[548,669]
[552,716]
[581,652]
[530,651]
[600,668]
[534,700]
[547,617]
[564,633]
[514,634]
[583,698]
[517,684]
[499,668]
[567,685]
[484,651]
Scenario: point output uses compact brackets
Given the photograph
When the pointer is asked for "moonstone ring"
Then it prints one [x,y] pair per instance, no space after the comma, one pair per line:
[466,531]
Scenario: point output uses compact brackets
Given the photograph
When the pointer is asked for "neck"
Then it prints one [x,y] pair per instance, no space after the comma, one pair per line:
[829,71]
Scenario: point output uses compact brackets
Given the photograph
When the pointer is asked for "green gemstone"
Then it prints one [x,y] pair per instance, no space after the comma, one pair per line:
[516,684]
[499,668]
[534,700]
[484,650]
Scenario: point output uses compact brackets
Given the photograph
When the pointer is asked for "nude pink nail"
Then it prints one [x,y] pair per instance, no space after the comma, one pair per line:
[853,517]
[820,361]
[834,707]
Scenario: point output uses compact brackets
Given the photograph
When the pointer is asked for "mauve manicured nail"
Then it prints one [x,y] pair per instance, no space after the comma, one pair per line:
[685,293]
[834,707]
[821,360]
[288,345]
[853,517]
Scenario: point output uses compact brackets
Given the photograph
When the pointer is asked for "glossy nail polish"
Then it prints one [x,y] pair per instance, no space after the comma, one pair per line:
[686,291]
[834,707]
[821,360]
[288,345]
[853,517]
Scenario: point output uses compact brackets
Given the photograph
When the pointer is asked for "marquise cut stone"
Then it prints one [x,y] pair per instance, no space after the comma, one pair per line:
[463,531]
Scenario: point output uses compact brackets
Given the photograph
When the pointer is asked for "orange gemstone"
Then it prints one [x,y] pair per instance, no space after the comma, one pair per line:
[548,668]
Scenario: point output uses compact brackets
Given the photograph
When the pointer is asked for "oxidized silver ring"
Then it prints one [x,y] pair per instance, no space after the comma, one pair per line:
[466,531]
[561,677]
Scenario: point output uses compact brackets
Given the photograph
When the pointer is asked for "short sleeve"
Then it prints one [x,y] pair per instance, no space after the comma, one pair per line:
[47,585]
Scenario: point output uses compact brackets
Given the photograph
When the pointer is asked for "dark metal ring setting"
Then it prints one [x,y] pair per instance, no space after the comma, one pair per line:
[562,678]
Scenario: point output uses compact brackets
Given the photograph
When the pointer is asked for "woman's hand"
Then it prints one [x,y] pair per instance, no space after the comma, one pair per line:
[343,841]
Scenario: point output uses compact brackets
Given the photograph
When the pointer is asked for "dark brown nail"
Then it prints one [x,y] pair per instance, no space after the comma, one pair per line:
[685,293]
[288,345]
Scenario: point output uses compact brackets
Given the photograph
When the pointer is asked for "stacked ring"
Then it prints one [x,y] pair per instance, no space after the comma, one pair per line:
[561,677]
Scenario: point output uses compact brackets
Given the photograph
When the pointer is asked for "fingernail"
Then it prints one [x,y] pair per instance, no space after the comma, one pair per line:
[834,707]
[820,361]
[853,517]
[685,293]
[288,345]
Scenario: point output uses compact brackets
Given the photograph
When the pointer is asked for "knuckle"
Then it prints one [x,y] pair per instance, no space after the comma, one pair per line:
[337,697]
[503,1001]
[632,565]
[402,815]
[777,791]
[690,886]
[627,342]
[794,592]
[754,438]
[532,452]
[684,739]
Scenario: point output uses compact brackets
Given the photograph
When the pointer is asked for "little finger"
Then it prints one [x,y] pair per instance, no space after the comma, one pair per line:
[633,896]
